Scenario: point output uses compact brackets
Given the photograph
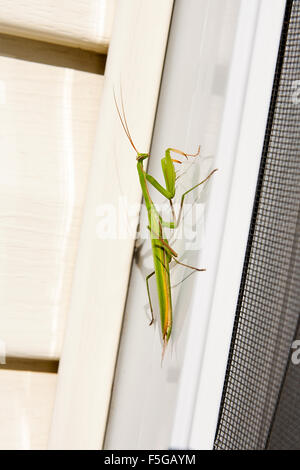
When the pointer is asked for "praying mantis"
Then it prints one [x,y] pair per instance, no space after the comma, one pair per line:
[162,252]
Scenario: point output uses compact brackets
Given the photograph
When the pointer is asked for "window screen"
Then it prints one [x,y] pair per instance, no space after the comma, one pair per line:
[261,401]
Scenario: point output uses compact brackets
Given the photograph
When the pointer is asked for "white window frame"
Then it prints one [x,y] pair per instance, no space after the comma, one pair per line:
[92,334]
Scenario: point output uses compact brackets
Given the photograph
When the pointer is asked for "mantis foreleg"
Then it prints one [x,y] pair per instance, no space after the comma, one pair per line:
[168,172]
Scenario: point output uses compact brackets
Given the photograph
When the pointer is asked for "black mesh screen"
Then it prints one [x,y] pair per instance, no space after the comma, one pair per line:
[261,399]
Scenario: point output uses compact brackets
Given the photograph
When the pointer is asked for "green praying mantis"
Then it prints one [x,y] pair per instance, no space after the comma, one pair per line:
[162,252]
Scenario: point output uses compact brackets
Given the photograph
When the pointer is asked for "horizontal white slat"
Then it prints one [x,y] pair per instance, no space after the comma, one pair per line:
[48,118]
[26,402]
[81,23]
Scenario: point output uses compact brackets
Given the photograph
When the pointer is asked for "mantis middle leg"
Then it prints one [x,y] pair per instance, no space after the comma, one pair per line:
[149,296]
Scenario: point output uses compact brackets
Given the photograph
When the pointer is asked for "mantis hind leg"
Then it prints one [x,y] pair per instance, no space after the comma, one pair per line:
[188,266]
[172,254]
[149,296]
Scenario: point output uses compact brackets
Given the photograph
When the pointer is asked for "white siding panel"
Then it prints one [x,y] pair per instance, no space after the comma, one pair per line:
[48,117]
[82,23]
[26,402]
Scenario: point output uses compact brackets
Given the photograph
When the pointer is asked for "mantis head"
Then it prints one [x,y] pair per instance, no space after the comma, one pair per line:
[142,156]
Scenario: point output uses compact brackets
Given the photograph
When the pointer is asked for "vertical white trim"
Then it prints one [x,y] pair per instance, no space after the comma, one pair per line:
[229,214]
[86,370]
[189,113]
